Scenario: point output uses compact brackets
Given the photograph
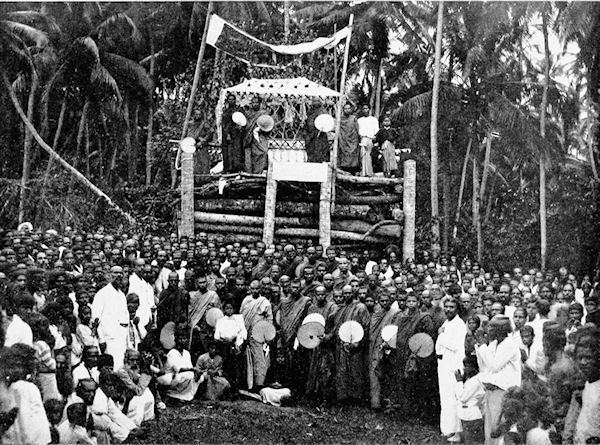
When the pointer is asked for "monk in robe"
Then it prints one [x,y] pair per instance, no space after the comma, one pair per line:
[200,302]
[349,152]
[321,359]
[408,373]
[379,319]
[292,311]
[255,111]
[233,139]
[316,142]
[351,359]
[255,308]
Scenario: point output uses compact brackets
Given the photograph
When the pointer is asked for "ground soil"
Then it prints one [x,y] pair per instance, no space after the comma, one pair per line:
[254,422]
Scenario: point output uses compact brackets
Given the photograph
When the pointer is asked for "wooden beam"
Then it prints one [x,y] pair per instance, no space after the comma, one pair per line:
[270,203]
[370,180]
[409,208]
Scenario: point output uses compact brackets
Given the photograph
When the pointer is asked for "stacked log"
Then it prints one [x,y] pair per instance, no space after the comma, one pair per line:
[234,206]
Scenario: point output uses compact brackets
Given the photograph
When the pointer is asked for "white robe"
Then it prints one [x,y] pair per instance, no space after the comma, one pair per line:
[145,291]
[18,332]
[451,345]
[110,307]
[182,385]
[31,424]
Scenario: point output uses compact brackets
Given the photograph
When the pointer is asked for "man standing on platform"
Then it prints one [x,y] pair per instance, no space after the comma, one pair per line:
[317,144]
[348,153]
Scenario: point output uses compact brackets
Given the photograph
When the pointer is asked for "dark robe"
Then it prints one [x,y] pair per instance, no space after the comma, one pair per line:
[351,364]
[349,152]
[173,305]
[412,380]
[317,144]
[379,320]
[322,360]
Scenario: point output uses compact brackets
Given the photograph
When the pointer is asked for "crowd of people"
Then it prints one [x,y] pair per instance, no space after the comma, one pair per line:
[101,332]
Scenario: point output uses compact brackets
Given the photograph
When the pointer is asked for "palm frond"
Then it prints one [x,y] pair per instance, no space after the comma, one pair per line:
[27,33]
[102,77]
[131,75]
[119,21]
[316,11]
[35,18]
[415,107]
[89,45]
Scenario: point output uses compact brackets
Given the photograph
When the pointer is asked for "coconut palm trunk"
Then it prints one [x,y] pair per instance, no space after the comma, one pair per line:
[27,146]
[543,240]
[149,153]
[435,219]
[461,190]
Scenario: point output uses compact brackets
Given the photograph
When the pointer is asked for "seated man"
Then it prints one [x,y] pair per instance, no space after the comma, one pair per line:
[88,368]
[210,366]
[109,424]
[140,400]
[180,377]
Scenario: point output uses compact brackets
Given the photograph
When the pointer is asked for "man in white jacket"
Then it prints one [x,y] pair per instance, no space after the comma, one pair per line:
[450,351]
[500,369]
[110,308]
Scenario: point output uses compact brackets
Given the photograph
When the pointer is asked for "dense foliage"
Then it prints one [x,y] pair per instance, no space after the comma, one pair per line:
[91,76]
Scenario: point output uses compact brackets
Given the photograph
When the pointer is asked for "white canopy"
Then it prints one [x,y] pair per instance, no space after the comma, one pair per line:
[294,94]
[299,86]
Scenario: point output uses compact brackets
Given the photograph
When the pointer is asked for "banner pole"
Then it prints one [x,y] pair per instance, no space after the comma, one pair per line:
[338,114]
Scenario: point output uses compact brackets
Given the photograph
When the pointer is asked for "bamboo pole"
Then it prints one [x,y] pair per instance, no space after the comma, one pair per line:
[53,154]
[190,105]
[338,112]
[543,240]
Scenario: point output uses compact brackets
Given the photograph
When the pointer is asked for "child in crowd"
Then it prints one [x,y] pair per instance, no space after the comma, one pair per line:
[469,396]
[574,322]
[532,354]
[74,431]
[210,366]
[54,410]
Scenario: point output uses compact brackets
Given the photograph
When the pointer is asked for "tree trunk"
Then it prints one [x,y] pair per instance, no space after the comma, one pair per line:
[488,208]
[446,207]
[135,143]
[149,154]
[27,146]
[486,164]
[543,241]
[476,211]
[435,217]
[51,152]
[87,150]
[461,190]
[286,20]
[57,134]
[127,138]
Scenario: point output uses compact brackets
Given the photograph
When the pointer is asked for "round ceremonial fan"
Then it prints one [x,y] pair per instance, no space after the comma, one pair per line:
[167,335]
[213,315]
[314,318]
[263,331]
[325,123]
[389,334]
[309,334]
[421,344]
[351,332]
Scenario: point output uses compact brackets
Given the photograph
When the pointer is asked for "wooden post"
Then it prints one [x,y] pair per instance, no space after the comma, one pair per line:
[409,208]
[186,226]
[325,210]
[192,98]
[270,202]
[338,113]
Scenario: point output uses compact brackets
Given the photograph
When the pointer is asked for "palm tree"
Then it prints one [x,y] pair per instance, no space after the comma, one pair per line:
[435,215]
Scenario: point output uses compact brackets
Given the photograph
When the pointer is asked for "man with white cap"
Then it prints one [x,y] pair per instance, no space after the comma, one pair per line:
[110,308]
